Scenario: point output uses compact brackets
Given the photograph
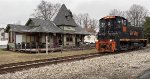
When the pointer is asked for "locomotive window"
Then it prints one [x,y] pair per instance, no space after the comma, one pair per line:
[102,24]
[124,22]
[118,21]
[109,23]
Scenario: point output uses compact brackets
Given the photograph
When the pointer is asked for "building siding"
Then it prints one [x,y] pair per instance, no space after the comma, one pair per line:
[23,38]
[69,43]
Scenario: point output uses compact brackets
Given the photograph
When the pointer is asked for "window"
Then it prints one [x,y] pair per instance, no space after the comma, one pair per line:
[89,37]
[67,17]
[103,24]
[125,22]
[2,34]
[68,28]
[69,38]
[109,24]
[118,21]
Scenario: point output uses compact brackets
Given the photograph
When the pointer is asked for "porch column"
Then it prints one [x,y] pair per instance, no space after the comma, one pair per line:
[49,37]
[46,43]
[14,41]
[37,41]
[30,43]
[26,43]
[63,37]
[36,44]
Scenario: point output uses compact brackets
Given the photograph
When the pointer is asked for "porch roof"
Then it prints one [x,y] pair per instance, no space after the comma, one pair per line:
[44,29]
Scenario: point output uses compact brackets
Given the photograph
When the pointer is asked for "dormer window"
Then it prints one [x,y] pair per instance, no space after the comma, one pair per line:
[67,17]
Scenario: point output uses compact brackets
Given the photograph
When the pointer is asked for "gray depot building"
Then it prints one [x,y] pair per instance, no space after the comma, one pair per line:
[38,33]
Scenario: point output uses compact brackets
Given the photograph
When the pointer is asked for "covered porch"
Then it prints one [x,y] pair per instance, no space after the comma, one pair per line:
[45,42]
[36,41]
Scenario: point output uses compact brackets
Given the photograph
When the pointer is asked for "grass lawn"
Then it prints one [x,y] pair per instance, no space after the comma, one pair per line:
[14,57]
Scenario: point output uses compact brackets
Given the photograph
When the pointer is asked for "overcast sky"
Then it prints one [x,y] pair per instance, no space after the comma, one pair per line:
[13,11]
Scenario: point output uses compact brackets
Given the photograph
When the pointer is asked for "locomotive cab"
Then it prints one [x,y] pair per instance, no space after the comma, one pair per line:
[111,26]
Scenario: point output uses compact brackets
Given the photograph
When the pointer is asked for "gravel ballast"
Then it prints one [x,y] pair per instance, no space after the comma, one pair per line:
[117,66]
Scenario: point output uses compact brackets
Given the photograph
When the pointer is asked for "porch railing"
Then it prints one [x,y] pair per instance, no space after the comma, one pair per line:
[34,45]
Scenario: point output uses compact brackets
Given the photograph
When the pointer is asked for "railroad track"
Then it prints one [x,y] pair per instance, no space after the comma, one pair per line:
[13,67]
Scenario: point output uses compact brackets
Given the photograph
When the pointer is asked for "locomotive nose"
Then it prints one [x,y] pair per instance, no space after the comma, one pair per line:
[106,46]
[103,46]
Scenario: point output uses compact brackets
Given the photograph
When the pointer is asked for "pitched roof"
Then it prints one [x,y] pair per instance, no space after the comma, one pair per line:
[64,17]
[80,30]
[48,29]
[17,28]
[44,26]
[40,26]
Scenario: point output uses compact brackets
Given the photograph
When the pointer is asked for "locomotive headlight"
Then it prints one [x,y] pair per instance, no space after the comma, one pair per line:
[110,40]
[96,40]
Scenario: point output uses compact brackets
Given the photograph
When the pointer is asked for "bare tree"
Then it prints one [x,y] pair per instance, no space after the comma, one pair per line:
[79,19]
[46,10]
[93,23]
[116,12]
[82,20]
[86,19]
[136,14]
[86,22]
